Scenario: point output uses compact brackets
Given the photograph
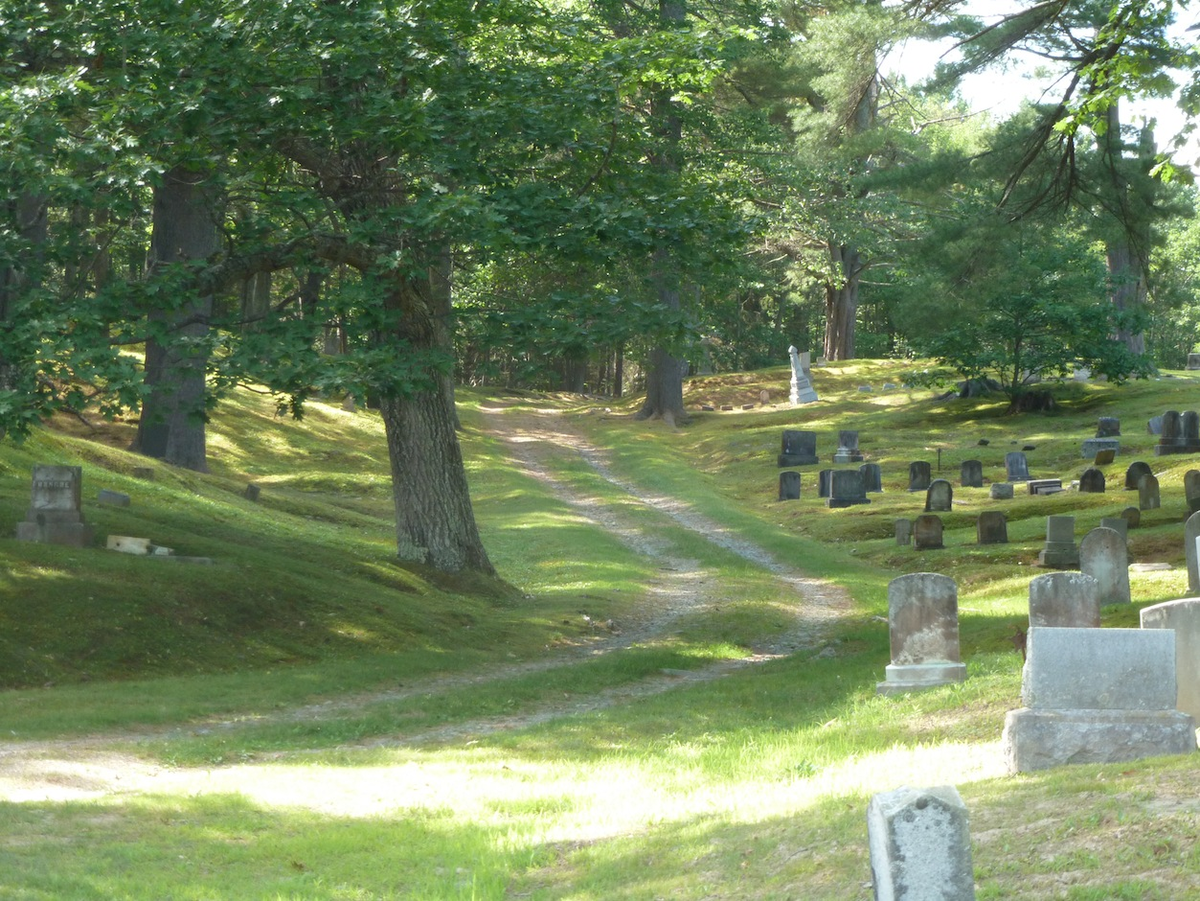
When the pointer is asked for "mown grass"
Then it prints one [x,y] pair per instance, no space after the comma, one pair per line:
[751,785]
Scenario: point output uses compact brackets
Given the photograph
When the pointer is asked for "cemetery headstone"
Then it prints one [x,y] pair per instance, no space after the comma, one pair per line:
[1133,516]
[927,532]
[789,486]
[847,451]
[846,489]
[939,497]
[1183,617]
[1191,489]
[1060,551]
[919,475]
[1108,427]
[1149,497]
[1193,361]
[113,498]
[764,397]
[252,492]
[1096,696]
[923,634]
[904,530]
[991,527]
[1044,486]
[872,476]
[920,845]
[1191,432]
[1191,531]
[1104,555]
[972,474]
[1154,425]
[1064,600]
[802,391]
[55,514]
[799,448]
[1171,439]
[1016,467]
[824,482]
[1092,481]
[1093,446]
[1001,491]
[1104,457]
[1136,470]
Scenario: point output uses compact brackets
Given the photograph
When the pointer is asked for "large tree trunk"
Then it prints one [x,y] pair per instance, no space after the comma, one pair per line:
[30,215]
[841,302]
[435,524]
[1127,262]
[172,426]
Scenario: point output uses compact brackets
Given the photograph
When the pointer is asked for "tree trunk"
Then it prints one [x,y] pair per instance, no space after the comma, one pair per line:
[30,216]
[435,524]
[841,302]
[172,425]
[1127,263]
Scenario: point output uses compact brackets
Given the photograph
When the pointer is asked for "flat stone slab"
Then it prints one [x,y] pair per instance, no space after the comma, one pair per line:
[1042,739]
[1099,669]
[902,678]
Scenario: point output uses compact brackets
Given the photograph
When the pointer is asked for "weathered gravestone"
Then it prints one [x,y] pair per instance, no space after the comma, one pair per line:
[1104,555]
[1064,600]
[1016,467]
[923,633]
[1171,439]
[824,482]
[55,511]
[252,492]
[799,448]
[939,497]
[1191,554]
[920,845]
[991,528]
[802,391]
[904,530]
[113,498]
[846,489]
[1104,457]
[1092,481]
[1093,446]
[1001,491]
[1191,489]
[1193,361]
[919,475]
[847,450]
[1149,497]
[1132,516]
[789,486]
[872,476]
[1060,551]
[1044,486]
[1154,425]
[1136,470]
[1183,617]
[1108,427]
[1191,432]
[1096,696]
[972,474]
[927,532]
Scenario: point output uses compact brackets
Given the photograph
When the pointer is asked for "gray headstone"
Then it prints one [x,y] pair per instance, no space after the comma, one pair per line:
[919,475]
[920,845]
[1108,427]
[972,474]
[1133,516]
[789,486]
[1154,425]
[846,489]
[1104,555]
[799,448]
[927,532]
[252,493]
[1001,491]
[1193,361]
[1092,481]
[1191,489]
[1044,486]
[824,482]
[939,497]
[1182,616]
[1136,470]
[872,476]
[802,391]
[1171,439]
[1191,531]
[1016,467]
[847,450]
[1190,422]
[1149,497]
[1096,696]
[1104,457]
[991,527]
[55,511]
[904,530]
[923,633]
[1060,550]
[1093,446]
[1064,600]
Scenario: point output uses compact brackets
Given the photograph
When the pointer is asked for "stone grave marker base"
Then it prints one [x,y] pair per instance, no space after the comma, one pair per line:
[1041,739]
[901,678]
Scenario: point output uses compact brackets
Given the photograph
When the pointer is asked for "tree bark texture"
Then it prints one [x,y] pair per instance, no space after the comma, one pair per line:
[841,301]
[1127,288]
[172,426]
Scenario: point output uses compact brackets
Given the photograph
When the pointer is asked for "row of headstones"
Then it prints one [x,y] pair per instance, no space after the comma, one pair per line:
[1126,706]
[1179,433]
[799,448]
